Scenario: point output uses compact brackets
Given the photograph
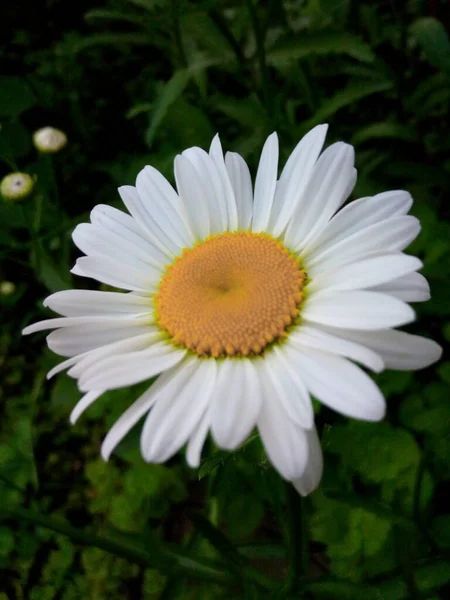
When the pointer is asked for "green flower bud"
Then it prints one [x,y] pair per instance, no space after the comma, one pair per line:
[16,186]
[49,140]
[7,288]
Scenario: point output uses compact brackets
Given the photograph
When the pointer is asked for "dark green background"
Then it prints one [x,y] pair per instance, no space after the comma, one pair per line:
[134,82]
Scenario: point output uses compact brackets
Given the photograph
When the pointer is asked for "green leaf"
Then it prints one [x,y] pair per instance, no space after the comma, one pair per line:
[170,92]
[16,97]
[348,96]
[304,45]
[54,277]
[111,39]
[384,130]
[434,42]
[102,14]
[342,590]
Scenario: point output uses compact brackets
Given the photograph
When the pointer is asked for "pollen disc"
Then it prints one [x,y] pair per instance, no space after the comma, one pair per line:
[230,295]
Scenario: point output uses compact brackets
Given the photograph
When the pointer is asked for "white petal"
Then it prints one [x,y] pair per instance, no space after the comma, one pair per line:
[285,442]
[198,437]
[409,288]
[97,241]
[366,273]
[83,404]
[164,206]
[216,154]
[398,349]
[77,303]
[157,236]
[295,177]
[313,472]
[121,224]
[357,310]
[70,341]
[65,364]
[241,182]
[121,371]
[266,180]
[358,215]
[322,339]
[119,275]
[339,384]
[178,412]
[236,403]
[288,388]
[390,235]
[324,195]
[195,197]
[121,347]
[123,321]
[132,415]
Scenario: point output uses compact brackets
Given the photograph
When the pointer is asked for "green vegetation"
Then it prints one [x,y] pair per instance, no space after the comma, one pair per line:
[134,82]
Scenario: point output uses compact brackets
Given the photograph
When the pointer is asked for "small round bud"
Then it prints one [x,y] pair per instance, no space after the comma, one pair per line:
[49,140]
[7,288]
[16,186]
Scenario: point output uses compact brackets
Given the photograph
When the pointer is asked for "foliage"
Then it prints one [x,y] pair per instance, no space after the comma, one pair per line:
[134,82]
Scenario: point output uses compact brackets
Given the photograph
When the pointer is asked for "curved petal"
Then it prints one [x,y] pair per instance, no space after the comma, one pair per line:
[197,440]
[118,274]
[366,273]
[265,183]
[195,197]
[295,177]
[97,241]
[121,224]
[210,186]
[236,403]
[357,310]
[147,223]
[216,153]
[241,182]
[390,235]
[289,389]
[285,442]
[399,350]
[339,384]
[326,191]
[175,416]
[315,336]
[70,341]
[120,371]
[359,215]
[83,404]
[409,288]
[312,475]
[85,303]
[123,321]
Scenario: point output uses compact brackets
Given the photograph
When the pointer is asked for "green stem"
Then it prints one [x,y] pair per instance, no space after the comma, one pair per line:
[261,55]
[164,559]
[298,541]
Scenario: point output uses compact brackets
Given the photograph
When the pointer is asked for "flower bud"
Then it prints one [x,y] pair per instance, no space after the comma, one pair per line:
[7,288]
[49,140]
[16,186]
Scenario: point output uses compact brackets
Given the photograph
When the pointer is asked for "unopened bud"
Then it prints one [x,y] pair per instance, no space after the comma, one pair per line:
[7,288]
[16,186]
[49,140]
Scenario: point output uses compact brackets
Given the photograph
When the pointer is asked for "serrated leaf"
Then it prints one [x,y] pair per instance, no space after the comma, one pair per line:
[304,45]
[433,39]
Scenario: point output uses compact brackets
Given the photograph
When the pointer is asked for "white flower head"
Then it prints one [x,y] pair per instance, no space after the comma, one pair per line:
[49,140]
[245,300]
[16,186]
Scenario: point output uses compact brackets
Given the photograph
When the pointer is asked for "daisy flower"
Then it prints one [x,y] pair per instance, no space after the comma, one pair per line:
[244,301]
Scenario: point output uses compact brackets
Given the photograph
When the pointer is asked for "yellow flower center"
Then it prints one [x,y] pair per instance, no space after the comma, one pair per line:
[231,295]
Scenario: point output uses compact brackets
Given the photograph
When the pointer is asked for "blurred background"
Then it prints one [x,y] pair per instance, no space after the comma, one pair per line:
[134,82]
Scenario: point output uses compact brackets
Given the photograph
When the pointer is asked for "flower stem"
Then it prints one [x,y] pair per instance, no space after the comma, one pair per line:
[298,541]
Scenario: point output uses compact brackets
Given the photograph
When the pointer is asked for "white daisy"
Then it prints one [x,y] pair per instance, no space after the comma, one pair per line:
[245,302]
